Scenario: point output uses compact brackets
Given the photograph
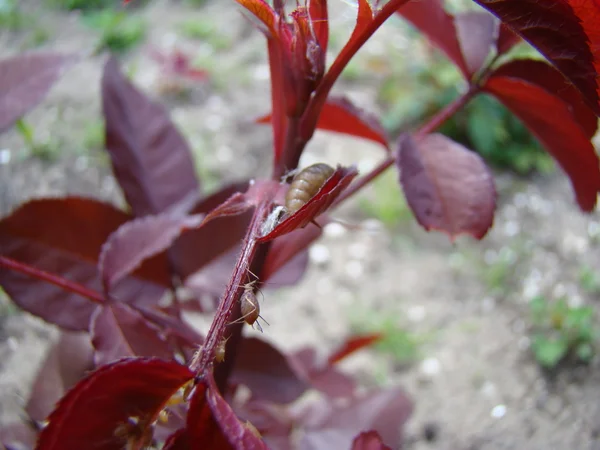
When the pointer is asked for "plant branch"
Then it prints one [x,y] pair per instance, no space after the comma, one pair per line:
[234,289]
[56,280]
[448,111]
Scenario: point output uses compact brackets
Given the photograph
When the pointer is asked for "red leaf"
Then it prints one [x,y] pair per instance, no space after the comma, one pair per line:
[64,237]
[267,372]
[263,12]
[352,345]
[96,410]
[202,429]
[335,425]
[240,436]
[118,331]
[332,188]
[369,440]
[476,32]
[25,80]
[507,39]
[432,20]
[150,158]
[137,240]
[448,187]
[562,136]
[66,363]
[234,206]
[341,116]
[178,441]
[197,248]
[564,31]
[288,249]
[548,78]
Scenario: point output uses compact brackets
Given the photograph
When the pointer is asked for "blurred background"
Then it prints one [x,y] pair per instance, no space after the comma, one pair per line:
[495,341]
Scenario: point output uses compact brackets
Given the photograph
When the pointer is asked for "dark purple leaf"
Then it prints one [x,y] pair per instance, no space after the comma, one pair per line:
[118,331]
[323,376]
[330,425]
[25,80]
[114,406]
[137,240]
[199,247]
[288,257]
[267,372]
[476,32]
[448,187]
[430,17]
[564,31]
[507,39]
[64,237]
[240,436]
[150,158]
[560,133]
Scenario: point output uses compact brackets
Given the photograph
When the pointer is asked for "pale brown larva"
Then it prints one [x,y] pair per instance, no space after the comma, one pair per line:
[220,350]
[305,185]
[250,308]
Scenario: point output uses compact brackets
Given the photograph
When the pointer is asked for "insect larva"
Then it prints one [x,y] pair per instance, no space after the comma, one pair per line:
[220,351]
[250,308]
[305,185]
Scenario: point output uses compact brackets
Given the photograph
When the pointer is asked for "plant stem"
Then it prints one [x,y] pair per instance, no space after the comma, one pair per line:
[56,280]
[234,289]
[448,111]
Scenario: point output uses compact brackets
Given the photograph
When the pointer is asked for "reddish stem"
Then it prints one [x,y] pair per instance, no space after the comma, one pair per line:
[56,280]
[234,289]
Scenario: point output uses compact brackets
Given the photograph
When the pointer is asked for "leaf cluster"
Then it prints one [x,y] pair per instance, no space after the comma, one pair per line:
[136,374]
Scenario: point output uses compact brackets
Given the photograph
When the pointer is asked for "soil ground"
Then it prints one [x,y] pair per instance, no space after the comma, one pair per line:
[464,306]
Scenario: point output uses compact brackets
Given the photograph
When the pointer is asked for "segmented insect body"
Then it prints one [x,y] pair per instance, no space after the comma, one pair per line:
[250,308]
[305,185]
[220,351]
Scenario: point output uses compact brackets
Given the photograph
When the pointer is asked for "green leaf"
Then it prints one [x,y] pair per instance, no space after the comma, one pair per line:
[549,351]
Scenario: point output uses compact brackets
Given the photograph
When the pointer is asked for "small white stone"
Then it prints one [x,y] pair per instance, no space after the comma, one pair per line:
[334,230]
[416,313]
[498,411]
[358,250]
[12,343]
[488,389]
[319,254]
[431,366]
[354,269]
[4,156]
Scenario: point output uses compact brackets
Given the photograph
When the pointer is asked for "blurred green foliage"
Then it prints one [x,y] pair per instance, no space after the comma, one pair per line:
[10,16]
[413,94]
[82,4]
[589,279]
[119,31]
[398,342]
[385,201]
[206,31]
[561,331]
